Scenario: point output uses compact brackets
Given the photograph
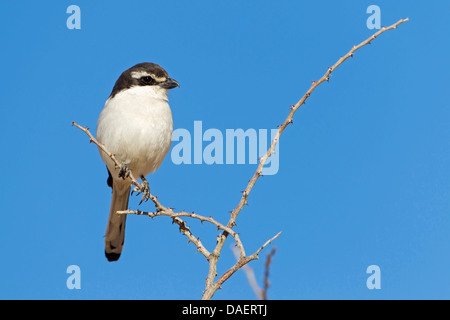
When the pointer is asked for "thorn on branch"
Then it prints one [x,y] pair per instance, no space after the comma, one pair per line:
[183,226]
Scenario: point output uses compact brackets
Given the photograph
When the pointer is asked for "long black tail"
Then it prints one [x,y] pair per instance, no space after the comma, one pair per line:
[115,229]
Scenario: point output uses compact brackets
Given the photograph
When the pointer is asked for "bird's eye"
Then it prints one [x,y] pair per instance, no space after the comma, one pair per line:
[147,79]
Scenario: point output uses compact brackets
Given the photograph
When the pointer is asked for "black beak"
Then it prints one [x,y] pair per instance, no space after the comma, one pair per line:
[169,84]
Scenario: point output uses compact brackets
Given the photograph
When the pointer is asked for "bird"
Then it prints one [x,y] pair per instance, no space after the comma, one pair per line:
[136,126]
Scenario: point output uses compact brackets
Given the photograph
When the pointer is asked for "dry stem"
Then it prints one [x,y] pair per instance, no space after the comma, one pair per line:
[212,286]
[270,151]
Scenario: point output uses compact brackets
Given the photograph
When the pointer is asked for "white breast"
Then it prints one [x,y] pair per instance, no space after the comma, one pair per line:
[136,126]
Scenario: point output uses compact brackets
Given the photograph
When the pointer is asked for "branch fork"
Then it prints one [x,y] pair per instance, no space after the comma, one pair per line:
[213,285]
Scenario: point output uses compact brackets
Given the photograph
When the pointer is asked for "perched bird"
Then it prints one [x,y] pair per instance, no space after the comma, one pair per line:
[136,126]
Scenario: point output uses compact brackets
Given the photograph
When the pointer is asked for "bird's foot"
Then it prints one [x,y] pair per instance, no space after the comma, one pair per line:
[124,171]
[144,189]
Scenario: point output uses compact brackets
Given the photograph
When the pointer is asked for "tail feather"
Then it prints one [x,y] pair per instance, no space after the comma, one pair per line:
[115,229]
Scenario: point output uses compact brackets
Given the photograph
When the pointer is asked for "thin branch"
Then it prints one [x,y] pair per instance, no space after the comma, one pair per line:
[243,201]
[209,292]
[192,215]
[266,273]
[290,116]
[164,211]
[103,148]
[250,274]
[212,286]
[260,293]
[117,164]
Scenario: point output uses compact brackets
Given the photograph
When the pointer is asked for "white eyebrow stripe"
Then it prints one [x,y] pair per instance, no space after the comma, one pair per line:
[140,74]
[159,79]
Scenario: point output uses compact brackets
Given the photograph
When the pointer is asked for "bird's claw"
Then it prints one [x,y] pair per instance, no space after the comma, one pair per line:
[124,171]
[144,189]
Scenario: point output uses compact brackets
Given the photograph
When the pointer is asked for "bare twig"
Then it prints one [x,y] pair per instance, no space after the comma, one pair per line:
[250,274]
[211,285]
[103,148]
[260,293]
[161,209]
[266,273]
[192,215]
[290,116]
[165,211]
[209,292]
[243,201]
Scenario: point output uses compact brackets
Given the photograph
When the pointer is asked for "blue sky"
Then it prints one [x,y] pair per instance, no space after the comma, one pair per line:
[363,173]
